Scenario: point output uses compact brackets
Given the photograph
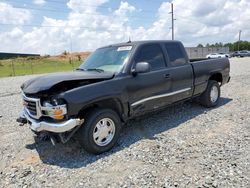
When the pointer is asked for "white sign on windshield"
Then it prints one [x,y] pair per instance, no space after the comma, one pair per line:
[124,48]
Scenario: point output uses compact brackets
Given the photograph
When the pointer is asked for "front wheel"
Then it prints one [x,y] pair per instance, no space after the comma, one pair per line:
[211,96]
[100,131]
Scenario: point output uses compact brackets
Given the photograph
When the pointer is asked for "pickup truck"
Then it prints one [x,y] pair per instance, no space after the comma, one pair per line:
[116,83]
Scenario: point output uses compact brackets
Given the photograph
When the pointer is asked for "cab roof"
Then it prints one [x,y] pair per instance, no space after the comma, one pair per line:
[133,43]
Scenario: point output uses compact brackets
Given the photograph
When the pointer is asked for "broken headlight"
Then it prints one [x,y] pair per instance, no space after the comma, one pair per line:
[55,109]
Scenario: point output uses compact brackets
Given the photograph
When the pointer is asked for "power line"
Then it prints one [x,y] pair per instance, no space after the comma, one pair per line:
[84,5]
[60,2]
[85,13]
[116,28]
[188,19]
[56,26]
[148,19]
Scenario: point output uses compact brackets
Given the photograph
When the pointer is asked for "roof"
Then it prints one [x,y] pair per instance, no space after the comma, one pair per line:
[140,42]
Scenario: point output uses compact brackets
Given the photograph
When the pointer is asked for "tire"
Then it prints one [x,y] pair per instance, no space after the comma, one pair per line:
[98,124]
[209,99]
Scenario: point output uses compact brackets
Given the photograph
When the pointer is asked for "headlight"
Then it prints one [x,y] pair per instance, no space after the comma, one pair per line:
[54,110]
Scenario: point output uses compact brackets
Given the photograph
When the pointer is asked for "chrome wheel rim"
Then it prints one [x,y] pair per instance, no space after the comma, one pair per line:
[104,132]
[214,94]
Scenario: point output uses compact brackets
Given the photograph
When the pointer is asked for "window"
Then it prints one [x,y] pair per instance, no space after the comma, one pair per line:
[175,54]
[153,55]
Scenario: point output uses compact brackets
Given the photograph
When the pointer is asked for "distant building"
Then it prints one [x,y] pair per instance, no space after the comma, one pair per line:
[201,52]
[4,55]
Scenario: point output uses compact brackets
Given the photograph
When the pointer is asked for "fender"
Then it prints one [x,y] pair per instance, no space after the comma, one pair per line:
[84,96]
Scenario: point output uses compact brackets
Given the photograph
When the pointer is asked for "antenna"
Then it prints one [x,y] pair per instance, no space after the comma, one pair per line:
[129,40]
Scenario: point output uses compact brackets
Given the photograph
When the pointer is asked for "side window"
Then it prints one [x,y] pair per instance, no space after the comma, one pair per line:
[152,54]
[175,54]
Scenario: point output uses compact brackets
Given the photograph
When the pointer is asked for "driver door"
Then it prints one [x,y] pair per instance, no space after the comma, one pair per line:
[147,90]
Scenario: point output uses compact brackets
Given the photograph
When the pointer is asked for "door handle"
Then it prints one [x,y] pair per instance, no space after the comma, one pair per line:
[167,76]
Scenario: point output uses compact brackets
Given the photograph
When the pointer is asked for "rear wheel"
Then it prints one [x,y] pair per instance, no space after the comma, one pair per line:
[100,131]
[211,95]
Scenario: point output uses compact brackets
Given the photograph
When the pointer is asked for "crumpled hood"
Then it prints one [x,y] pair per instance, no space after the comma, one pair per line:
[46,82]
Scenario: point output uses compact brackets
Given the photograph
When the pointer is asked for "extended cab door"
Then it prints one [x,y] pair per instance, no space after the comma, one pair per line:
[147,90]
[180,72]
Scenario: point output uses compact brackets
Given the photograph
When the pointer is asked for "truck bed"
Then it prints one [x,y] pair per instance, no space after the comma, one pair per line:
[203,69]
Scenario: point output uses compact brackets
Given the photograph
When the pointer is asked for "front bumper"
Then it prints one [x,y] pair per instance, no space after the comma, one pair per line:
[39,126]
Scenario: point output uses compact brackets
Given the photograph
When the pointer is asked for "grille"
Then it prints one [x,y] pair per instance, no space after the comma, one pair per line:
[31,107]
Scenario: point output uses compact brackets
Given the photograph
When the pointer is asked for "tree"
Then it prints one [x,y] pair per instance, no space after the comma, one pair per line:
[220,44]
[200,46]
[79,57]
[65,52]
[244,45]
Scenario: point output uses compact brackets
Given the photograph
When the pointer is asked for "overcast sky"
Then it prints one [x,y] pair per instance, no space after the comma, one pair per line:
[51,26]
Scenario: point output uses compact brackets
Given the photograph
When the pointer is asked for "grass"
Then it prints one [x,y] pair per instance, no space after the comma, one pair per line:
[38,65]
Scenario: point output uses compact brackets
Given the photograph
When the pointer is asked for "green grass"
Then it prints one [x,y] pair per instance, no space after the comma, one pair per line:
[26,66]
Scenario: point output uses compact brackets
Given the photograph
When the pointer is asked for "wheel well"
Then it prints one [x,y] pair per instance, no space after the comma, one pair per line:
[113,104]
[217,77]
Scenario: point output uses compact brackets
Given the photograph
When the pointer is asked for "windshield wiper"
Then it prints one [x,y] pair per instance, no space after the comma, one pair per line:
[95,69]
[81,69]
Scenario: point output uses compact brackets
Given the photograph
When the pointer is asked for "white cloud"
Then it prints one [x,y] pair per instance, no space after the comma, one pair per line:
[85,5]
[86,28]
[124,8]
[39,2]
[8,39]
[216,21]
[11,15]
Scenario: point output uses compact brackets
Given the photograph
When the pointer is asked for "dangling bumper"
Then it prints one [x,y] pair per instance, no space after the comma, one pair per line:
[39,126]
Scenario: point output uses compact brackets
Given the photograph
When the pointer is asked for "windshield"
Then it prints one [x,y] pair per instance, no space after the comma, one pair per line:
[109,59]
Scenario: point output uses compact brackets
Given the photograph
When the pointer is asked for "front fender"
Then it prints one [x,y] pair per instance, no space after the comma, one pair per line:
[83,96]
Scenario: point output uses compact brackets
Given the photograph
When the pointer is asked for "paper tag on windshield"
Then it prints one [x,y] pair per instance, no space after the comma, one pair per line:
[124,48]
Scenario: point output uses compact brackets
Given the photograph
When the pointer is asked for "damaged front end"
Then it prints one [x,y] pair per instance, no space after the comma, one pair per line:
[46,111]
[48,117]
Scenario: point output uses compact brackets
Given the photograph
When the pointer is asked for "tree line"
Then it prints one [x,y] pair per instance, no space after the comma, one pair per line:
[242,45]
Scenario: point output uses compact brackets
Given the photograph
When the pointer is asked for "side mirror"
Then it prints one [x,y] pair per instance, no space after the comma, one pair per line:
[141,67]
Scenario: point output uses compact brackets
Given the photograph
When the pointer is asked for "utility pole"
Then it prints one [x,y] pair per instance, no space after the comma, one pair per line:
[172,17]
[71,59]
[239,40]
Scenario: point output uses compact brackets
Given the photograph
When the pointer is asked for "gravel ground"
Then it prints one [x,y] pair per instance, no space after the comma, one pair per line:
[182,146]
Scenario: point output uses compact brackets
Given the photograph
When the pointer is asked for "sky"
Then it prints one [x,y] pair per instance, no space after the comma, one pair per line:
[53,26]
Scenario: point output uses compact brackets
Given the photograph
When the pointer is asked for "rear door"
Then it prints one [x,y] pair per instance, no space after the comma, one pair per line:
[147,90]
[180,72]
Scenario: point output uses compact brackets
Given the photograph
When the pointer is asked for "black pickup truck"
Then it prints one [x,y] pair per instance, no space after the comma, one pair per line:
[116,83]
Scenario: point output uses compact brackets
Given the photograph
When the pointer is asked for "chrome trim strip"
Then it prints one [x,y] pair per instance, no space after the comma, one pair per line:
[160,96]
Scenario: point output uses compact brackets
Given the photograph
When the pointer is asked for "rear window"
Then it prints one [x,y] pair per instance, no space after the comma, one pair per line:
[175,54]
